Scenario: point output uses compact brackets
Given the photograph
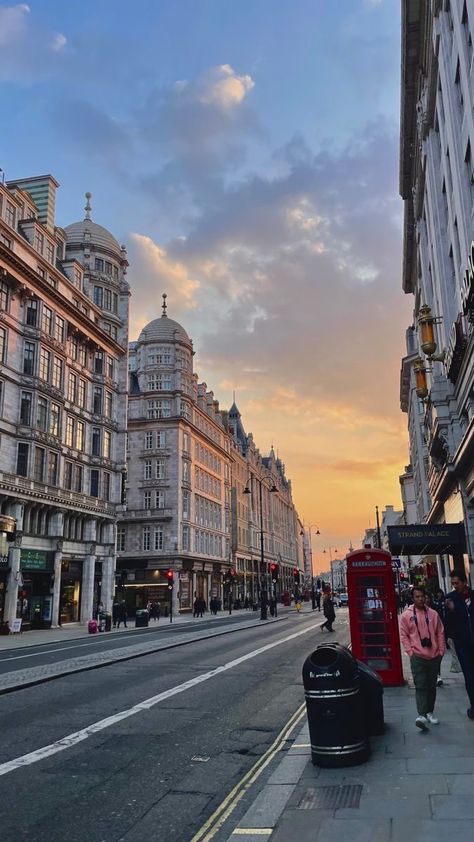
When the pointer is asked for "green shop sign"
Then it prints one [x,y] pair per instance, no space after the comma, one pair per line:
[35,560]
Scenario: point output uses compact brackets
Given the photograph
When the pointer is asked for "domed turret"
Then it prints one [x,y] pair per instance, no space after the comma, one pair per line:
[164,330]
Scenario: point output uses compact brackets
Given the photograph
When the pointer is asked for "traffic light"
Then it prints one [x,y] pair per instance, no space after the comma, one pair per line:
[170,577]
[274,571]
[296,575]
[232,573]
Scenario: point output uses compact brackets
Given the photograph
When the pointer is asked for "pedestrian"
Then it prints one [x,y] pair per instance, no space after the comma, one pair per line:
[115,613]
[297,604]
[328,611]
[422,636]
[246,603]
[460,628]
[318,600]
[195,607]
[272,606]
[122,615]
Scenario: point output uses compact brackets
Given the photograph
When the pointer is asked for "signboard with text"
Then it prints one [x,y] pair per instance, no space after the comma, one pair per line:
[35,560]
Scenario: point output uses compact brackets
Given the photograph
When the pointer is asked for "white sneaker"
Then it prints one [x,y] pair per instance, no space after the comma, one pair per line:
[432,719]
[421,722]
[439,682]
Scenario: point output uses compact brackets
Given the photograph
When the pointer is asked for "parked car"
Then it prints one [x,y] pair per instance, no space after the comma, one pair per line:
[342,599]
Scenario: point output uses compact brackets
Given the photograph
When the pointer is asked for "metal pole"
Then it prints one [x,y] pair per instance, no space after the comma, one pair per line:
[171,602]
[379,538]
[263,594]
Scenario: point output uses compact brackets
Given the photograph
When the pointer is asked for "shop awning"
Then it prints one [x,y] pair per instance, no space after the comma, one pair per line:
[425,539]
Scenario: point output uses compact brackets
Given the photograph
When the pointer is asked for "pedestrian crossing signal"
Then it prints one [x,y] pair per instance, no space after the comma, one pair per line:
[274,571]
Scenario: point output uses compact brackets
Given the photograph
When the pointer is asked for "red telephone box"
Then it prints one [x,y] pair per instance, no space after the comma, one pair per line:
[373,613]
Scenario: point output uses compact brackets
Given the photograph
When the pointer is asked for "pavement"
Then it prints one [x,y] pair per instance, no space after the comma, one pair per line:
[415,786]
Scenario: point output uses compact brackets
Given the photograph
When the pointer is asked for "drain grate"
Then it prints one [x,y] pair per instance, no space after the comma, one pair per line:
[331,797]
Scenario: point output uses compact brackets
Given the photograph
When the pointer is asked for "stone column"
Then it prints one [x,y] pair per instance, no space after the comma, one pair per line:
[175,593]
[193,593]
[209,589]
[11,596]
[88,571]
[58,557]
[108,580]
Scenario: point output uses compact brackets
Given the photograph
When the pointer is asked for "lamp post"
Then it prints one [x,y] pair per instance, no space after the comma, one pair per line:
[271,490]
[331,550]
[310,527]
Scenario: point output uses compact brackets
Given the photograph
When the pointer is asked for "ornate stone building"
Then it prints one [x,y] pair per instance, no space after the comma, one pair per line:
[63,380]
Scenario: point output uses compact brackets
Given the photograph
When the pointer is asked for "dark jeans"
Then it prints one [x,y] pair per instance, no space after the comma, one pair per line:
[425,674]
[465,653]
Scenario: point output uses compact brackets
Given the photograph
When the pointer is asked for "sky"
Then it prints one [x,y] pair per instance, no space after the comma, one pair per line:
[247,155]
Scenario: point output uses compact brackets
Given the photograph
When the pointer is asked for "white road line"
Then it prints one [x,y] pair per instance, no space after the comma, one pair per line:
[78,736]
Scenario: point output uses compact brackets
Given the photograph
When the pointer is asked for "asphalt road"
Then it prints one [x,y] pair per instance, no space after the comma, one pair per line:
[158,774]
[50,653]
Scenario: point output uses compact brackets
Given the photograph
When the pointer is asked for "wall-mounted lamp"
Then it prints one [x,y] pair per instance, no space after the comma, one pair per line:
[420,378]
[426,322]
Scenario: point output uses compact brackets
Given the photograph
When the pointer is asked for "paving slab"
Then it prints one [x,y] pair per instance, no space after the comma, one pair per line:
[357,830]
[422,830]
[452,807]
[268,806]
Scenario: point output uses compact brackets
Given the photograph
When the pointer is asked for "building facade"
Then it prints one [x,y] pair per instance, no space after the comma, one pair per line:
[193,494]
[437,185]
[63,381]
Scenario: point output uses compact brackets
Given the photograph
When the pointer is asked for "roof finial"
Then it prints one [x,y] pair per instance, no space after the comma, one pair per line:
[87,206]
[234,395]
[164,296]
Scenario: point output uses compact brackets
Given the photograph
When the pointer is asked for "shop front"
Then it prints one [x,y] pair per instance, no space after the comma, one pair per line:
[7,528]
[4,568]
[185,601]
[70,591]
[35,589]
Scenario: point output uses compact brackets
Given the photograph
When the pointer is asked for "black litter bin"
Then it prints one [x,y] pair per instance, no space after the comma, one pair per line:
[105,621]
[141,618]
[334,707]
[371,687]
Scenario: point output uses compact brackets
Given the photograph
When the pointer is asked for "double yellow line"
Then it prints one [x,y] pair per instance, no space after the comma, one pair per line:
[228,805]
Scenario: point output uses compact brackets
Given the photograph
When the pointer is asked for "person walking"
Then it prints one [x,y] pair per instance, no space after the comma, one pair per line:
[318,600]
[328,611]
[459,619]
[115,613]
[122,615]
[422,637]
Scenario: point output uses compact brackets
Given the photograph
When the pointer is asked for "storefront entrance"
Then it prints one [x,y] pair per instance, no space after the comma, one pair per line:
[35,598]
[70,591]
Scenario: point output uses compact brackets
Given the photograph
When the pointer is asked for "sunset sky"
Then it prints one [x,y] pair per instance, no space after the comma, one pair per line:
[247,155]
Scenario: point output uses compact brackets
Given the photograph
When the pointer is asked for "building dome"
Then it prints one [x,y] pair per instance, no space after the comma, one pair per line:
[164,330]
[97,234]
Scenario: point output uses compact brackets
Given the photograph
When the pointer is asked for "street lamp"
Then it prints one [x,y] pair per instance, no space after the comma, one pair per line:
[331,550]
[248,490]
[310,528]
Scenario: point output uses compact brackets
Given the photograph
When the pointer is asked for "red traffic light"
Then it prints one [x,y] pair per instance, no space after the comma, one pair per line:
[169,575]
[232,572]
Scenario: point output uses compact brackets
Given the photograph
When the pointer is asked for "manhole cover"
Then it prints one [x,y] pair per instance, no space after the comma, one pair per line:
[331,797]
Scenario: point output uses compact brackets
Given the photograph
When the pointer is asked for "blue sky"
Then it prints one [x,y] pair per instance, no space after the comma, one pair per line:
[247,155]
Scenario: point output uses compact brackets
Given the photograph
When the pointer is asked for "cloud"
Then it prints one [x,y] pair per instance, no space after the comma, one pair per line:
[59,42]
[27,49]
[12,23]
[154,273]
[221,86]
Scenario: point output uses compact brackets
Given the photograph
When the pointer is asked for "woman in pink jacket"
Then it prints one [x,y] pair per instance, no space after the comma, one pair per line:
[422,635]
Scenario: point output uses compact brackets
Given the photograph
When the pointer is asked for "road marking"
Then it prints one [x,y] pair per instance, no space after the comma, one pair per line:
[252,831]
[301,745]
[79,736]
[228,805]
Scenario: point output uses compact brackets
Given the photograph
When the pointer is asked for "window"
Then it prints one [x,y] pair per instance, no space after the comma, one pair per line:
[45,364]
[70,425]
[108,405]
[38,469]
[68,476]
[10,219]
[147,473]
[185,534]
[82,394]
[159,499]
[59,329]
[115,302]
[53,464]
[82,356]
[146,538]
[186,442]
[148,441]
[32,312]
[160,469]
[22,460]
[42,414]
[80,435]
[39,242]
[107,299]
[97,400]
[185,471]
[147,500]
[94,483]
[58,373]
[159,539]
[186,499]
[99,362]
[99,265]
[162,356]
[108,268]
[78,477]
[77,278]
[158,409]
[4,295]
[49,252]
[106,485]
[110,367]
[115,273]
[160,438]
[121,540]
[98,296]
[71,387]
[96,441]
[107,444]
[25,408]
[6,241]
[41,272]
[29,358]
[3,345]
[46,320]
